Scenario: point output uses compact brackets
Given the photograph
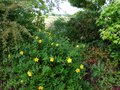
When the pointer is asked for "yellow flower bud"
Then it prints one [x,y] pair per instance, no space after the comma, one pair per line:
[21,52]
[40,41]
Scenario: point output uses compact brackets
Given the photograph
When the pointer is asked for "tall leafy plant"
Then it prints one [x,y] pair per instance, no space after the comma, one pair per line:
[18,19]
[109,21]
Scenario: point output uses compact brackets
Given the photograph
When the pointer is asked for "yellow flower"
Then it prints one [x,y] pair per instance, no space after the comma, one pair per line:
[69,60]
[36,59]
[52,59]
[81,66]
[57,44]
[21,52]
[36,37]
[40,88]
[77,70]
[40,41]
[29,73]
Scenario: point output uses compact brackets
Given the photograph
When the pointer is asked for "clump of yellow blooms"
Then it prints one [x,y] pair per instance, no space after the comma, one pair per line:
[52,59]
[29,73]
[69,60]
[81,66]
[40,88]
[40,41]
[77,70]
[36,59]
[21,52]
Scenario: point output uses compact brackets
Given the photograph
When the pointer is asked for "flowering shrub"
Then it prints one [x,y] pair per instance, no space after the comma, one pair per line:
[47,63]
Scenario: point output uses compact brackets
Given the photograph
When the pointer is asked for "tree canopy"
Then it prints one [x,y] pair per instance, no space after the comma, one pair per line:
[89,4]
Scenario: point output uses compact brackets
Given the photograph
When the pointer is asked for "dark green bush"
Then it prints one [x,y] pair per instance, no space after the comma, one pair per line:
[82,26]
[88,4]
[60,26]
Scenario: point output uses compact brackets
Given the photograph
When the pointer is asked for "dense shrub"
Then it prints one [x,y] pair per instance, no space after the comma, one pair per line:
[47,62]
[110,25]
[79,27]
[83,27]
[16,22]
[60,26]
[102,66]
[109,20]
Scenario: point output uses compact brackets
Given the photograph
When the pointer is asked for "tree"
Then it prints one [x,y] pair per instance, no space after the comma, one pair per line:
[89,4]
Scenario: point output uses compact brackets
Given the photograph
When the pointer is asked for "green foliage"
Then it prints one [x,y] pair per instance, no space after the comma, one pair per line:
[35,58]
[88,4]
[48,62]
[105,75]
[109,20]
[18,20]
[82,26]
[60,27]
[79,27]
[102,66]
